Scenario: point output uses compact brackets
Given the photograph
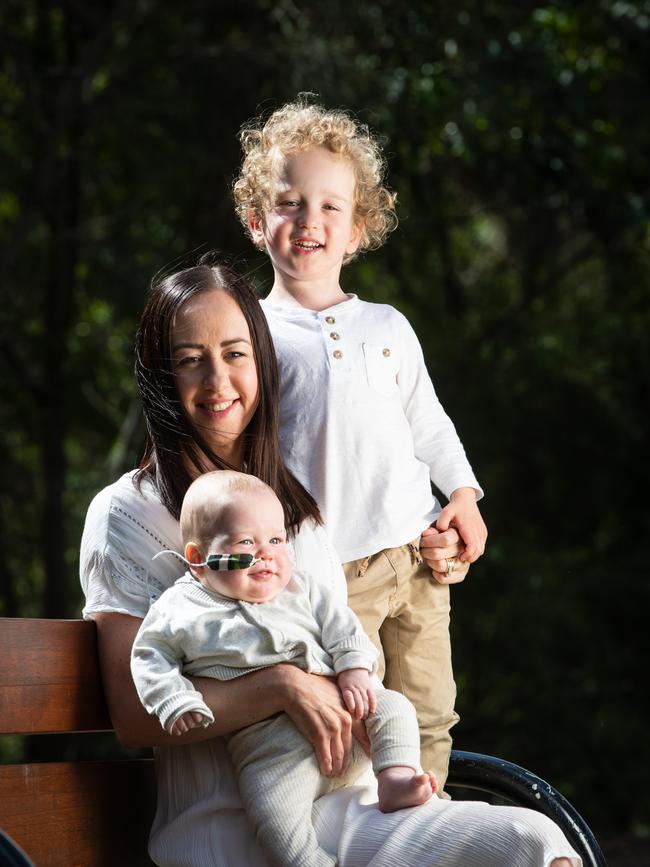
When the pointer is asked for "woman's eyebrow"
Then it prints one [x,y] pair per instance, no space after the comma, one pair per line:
[234,340]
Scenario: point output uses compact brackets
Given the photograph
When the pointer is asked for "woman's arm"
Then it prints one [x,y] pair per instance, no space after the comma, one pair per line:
[313,702]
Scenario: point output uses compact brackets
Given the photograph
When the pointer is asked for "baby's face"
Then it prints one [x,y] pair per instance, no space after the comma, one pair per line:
[253,523]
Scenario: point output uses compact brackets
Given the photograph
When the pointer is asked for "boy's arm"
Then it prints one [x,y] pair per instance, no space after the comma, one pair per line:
[437,444]
[435,440]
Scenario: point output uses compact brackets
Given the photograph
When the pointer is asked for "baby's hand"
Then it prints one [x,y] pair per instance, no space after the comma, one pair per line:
[190,720]
[358,694]
[462,513]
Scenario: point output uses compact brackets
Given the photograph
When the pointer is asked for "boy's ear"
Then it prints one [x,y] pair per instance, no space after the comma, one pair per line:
[355,238]
[193,553]
[256,228]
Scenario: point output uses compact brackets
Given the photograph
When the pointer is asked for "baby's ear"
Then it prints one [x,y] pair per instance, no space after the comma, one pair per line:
[256,228]
[193,553]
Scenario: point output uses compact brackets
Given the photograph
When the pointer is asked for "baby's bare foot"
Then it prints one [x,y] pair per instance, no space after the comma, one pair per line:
[401,787]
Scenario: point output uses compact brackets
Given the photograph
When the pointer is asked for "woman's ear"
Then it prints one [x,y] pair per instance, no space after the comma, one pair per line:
[193,553]
[256,228]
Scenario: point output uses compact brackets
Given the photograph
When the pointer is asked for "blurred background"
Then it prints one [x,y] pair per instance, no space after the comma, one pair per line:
[518,142]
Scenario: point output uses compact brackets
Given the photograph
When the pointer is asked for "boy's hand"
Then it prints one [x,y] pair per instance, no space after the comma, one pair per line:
[462,513]
[190,720]
[358,694]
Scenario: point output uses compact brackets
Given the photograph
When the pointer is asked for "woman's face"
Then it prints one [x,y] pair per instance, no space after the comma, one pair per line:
[216,376]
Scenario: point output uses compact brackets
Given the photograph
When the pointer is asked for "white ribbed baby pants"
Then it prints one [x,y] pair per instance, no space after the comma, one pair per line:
[279,778]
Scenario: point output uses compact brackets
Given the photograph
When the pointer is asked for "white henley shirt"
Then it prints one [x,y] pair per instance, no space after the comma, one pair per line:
[360,423]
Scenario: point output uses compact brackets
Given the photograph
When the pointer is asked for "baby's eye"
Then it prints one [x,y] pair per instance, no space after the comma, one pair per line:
[276,540]
[245,542]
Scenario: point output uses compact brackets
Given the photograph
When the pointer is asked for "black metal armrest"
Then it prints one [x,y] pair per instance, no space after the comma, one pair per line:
[524,789]
[12,855]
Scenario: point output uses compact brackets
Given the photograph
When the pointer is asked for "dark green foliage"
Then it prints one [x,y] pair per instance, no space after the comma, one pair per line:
[518,142]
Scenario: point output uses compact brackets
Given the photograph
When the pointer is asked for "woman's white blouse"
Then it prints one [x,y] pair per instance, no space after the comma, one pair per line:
[199,819]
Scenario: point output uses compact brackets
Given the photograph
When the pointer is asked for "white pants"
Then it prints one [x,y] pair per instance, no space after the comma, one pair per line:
[279,777]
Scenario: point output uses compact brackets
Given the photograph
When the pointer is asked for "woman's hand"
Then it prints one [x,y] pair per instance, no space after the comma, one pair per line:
[438,549]
[316,709]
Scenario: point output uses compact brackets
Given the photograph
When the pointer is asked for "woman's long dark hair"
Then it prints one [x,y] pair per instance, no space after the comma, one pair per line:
[172,440]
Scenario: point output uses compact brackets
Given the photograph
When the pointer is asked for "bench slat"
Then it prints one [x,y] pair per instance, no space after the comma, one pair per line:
[81,814]
[50,679]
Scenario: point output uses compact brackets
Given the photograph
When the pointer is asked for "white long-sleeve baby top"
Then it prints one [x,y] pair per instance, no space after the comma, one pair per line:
[192,630]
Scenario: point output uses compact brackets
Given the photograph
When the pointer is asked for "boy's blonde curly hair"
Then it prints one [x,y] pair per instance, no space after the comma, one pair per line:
[298,126]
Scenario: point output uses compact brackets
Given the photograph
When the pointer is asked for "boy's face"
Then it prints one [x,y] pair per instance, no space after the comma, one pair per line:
[310,227]
[252,523]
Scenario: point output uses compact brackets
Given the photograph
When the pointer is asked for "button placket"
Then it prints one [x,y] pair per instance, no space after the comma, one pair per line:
[333,335]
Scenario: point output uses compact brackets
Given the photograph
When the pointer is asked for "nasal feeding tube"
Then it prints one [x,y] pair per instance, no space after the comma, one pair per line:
[219,562]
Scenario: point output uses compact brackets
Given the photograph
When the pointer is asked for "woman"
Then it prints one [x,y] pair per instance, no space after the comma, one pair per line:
[208,381]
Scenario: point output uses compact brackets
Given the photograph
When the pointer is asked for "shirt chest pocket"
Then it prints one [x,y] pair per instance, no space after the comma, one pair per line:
[381,364]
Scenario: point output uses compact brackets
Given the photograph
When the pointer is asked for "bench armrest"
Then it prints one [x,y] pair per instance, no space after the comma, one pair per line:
[515,784]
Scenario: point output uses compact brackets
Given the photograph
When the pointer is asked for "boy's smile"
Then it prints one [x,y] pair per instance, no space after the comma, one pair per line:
[310,227]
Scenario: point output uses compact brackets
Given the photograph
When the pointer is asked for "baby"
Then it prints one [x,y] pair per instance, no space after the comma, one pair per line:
[241,607]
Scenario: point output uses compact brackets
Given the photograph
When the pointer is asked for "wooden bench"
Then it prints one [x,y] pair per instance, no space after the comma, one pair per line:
[98,813]
[67,813]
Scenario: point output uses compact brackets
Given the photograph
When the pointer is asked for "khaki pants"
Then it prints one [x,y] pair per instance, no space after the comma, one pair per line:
[406,615]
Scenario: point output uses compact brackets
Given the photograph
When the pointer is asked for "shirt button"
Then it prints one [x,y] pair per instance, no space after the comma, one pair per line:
[386,352]
[334,335]
[337,353]
[330,320]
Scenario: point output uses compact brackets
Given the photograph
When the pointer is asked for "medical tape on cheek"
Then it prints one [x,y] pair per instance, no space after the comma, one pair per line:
[226,562]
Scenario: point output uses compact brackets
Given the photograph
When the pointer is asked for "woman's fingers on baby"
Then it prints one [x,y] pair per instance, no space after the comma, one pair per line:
[333,741]
[320,715]
[322,740]
[340,744]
